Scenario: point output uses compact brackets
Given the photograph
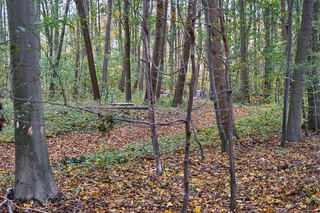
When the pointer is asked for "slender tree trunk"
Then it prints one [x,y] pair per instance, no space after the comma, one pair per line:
[288,70]
[182,72]
[267,52]
[33,176]
[77,63]
[284,28]
[162,49]
[107,47]
[192,85]
[87,41]
[126,52]
[172,43]
[123,74]
[151,112]
[297,83]
[245,85]
[233,184]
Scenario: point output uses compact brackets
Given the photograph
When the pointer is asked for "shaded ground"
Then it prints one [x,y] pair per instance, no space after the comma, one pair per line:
[269,179]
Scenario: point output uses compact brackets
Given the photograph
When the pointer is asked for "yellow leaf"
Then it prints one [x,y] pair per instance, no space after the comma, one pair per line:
[117,13]
[197,209]
[84,197]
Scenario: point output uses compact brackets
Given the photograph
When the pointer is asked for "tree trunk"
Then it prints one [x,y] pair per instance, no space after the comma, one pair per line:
[126,51]
[245,85]
[218,66]
[162,49]
[288,70]
[87,41]
[77,63]
[192,86]
[297,83]
[233,184]
[151,111]
[182,72]
[33,175]
[107,47]
[267,52]
[284,28]
[313,90]
[172,43]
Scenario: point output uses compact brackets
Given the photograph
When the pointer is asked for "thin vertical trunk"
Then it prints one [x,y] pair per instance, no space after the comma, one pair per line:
[287,79]
[162,49]
[233,184]
[107,47]
[87,41]
[297,83]
[172,43]
[126,51]
[284,28]
[77,63]
[245,88]
[151,111]
[267,52]
[192,85]
[182,72]
[123,74]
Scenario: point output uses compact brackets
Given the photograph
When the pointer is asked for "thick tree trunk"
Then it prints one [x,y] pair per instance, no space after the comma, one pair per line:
[107,47]
[182,72]
[126,51]
[33,175]
[297,83]
[218,65]
[313,90]
[87,41]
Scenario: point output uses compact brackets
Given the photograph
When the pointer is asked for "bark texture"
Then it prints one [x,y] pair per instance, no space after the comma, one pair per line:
[33,175]
[182,72]
[297,82]
[87,41]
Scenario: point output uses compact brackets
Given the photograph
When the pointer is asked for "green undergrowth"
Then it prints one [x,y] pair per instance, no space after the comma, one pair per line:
[260,121]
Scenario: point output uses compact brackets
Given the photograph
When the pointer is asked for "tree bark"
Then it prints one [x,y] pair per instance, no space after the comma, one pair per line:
[182,72]
[33,176]
[267,52]
[192,85]
[245,85]
[162,49]
[87,41]
[150,96]
[107,47]
[313,90]
[232,169]
[126,51]
[297,83]
[288,70]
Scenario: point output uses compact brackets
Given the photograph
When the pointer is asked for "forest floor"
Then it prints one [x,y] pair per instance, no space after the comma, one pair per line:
[269,179]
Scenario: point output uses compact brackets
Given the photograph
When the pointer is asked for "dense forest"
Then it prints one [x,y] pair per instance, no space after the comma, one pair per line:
[159,106]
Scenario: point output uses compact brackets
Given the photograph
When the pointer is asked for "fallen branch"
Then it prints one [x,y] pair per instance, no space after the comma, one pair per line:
[9,207]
